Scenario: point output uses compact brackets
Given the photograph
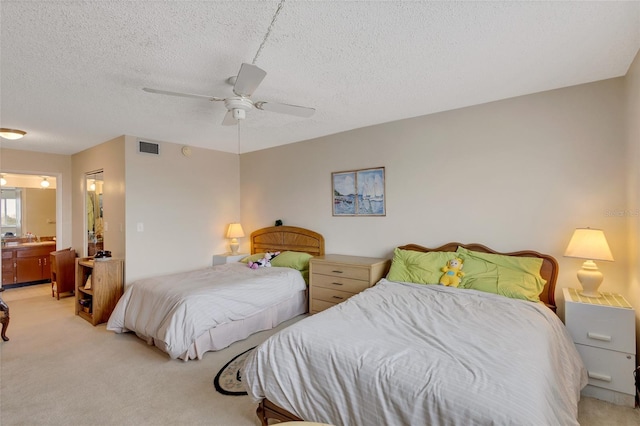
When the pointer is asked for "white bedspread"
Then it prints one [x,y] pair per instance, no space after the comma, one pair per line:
[174,310]
[406,354]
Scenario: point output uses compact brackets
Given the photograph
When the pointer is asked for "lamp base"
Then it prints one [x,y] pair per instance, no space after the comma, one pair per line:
[234,246]
[590,278]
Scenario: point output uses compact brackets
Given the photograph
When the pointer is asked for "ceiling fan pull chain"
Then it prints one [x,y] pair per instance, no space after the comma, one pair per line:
[266,36]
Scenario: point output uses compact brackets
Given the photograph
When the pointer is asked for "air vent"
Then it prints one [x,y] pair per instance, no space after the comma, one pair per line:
[149,148]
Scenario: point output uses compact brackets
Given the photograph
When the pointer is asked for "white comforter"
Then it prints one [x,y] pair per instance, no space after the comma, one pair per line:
[406,354]
[171,311]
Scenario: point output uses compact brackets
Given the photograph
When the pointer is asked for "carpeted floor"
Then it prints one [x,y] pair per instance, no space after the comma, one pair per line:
[57,369]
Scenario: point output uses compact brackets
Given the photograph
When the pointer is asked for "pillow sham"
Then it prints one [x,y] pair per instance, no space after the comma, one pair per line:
[510,276]
[418,267]
[252,258]
[292,259]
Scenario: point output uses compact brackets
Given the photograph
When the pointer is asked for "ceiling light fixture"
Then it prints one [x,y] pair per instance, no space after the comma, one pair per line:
[11,134]
[3,181]
[44,183]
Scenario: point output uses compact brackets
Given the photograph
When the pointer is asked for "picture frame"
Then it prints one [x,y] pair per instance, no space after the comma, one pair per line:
[359,192]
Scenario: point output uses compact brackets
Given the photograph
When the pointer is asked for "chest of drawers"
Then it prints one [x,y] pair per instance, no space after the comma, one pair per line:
[603,330]
[333,278]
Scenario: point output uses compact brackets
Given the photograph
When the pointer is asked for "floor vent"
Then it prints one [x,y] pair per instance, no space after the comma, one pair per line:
[148,148]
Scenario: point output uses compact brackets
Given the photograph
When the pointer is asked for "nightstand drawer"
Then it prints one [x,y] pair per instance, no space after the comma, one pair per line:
[339,283]
[330,295]
[320,305]
[345,271]
[601,326]
[608,369]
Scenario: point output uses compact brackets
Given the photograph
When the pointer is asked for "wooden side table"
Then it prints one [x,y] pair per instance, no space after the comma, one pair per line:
[4,320]
[333,278]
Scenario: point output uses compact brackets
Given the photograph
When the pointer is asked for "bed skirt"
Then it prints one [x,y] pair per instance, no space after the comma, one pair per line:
[224,335]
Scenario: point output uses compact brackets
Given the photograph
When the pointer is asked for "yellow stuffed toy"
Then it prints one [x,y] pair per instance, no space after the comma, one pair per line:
[452,273]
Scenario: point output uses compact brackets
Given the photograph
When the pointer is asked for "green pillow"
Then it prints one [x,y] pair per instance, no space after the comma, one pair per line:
[292,259]
[510,276]
[252,258]
[418,267]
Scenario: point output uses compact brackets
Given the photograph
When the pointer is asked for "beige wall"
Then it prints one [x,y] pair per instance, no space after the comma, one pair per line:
[632,90]
[184,205]
[109,157]
[40,214]
[521,173]
[38,163]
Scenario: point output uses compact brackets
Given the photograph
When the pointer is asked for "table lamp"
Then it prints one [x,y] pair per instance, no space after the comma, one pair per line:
[234,232]
[590,244]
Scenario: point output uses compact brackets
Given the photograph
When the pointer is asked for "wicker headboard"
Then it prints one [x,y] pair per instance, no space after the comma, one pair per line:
[548,270]
[287,238]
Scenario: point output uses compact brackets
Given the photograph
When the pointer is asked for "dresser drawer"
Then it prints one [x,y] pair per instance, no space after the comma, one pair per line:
[337,270]
[608,369]
[320,305]
[330,295]
[339,283]
[601,326]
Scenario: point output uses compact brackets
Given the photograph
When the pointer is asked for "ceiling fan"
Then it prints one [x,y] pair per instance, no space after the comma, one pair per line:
[248,79]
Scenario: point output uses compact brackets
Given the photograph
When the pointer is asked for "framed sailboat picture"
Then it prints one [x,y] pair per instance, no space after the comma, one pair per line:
[344,193]
[359,192]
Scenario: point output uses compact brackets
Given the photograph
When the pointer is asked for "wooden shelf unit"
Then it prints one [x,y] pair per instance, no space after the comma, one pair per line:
[107,286]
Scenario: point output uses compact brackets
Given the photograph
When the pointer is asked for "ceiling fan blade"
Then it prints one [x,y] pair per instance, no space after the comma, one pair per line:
[299,111]
[248,80]
[184,95]
[228,119]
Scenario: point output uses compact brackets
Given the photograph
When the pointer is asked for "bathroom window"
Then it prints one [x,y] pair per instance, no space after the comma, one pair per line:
[10,212]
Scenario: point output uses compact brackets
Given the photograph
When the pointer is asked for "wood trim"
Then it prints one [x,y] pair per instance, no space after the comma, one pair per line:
[268,410]
[548,270]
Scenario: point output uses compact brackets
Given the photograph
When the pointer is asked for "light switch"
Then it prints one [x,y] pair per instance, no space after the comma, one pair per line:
[140,227]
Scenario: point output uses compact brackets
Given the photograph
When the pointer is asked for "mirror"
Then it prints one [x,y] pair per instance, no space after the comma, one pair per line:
[28,207]
[95,224]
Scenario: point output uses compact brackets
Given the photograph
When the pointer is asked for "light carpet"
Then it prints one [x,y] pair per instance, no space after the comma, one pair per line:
[57,369]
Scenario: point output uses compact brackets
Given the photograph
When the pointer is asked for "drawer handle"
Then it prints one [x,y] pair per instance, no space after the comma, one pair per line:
[599,376]
[337,297]
[335,283]
[337,272]
[596,336]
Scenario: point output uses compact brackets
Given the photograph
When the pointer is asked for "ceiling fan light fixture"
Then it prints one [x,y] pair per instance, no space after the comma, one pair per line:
[11,134]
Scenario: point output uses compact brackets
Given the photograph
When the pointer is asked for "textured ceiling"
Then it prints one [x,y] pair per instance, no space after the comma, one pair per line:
[72,72]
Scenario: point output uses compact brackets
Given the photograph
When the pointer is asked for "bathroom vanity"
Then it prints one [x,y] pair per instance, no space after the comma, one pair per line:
[26,262]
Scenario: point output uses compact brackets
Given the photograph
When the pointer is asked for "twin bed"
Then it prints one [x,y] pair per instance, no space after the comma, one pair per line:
[399,353]
[190,313]
[402,353]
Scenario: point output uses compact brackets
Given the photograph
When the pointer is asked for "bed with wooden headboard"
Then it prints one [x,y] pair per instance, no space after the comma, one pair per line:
[406,353]
[189,313]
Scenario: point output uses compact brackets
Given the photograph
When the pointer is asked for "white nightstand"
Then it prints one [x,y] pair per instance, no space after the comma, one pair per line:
[221,259]
[603,330]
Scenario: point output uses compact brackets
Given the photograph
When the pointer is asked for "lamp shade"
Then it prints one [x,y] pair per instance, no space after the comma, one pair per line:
[587,243]
[235,231]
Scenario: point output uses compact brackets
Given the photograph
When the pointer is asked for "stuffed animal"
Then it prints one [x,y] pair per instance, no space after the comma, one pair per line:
[265,262]
[452,273]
